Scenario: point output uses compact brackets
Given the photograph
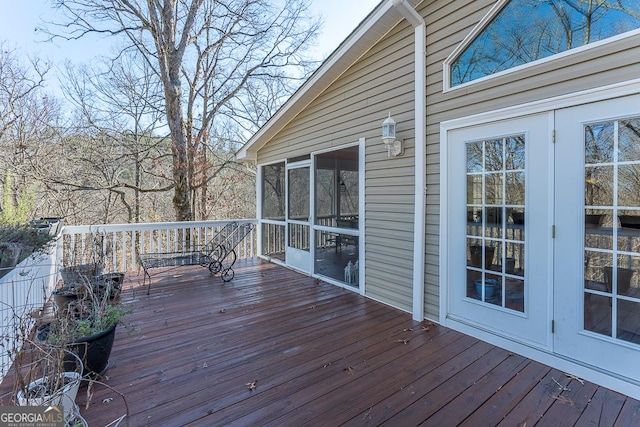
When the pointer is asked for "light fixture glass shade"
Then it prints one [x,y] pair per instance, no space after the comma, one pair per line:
[389,129]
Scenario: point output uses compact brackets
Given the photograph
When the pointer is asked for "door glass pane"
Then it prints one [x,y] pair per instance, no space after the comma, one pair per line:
[474,157]
[496,222]
[514,153]
[299,194]
[515,188]
[597,314]
[474,189]
[493,155]
[598,141]
[595,264]
[273,191]
[598,225]
[515,224]
[612,229]
[628,321]
[337,188]
[336,257]
[629,185]
[629,140]
[598,190]
[494,188]
[299,236]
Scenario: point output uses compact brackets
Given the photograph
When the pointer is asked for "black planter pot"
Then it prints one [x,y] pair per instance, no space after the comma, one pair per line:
[65,296]
[94,350]
[109,284]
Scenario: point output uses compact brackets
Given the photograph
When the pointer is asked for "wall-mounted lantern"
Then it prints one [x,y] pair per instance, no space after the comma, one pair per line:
[394,146]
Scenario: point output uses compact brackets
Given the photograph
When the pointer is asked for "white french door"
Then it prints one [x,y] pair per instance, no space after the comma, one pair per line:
[499,221]
[597,261]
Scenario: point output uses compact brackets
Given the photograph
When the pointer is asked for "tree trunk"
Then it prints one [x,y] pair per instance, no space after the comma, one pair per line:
[181,195]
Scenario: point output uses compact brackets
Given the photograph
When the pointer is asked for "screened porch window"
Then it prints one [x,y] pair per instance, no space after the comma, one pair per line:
[273,191]
[524,31]
[336,220]
[337,188]
[273,210]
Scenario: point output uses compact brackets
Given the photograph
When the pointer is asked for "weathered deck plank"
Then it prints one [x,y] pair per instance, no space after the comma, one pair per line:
[319,355]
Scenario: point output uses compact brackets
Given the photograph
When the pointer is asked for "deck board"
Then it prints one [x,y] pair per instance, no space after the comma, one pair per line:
[506,397]
[319,355]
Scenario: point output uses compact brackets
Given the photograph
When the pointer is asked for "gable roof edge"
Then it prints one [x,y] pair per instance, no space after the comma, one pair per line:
[382,19]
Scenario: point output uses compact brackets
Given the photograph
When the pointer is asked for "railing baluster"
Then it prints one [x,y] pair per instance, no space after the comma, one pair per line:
[114,250]
[133,235]
[84,249]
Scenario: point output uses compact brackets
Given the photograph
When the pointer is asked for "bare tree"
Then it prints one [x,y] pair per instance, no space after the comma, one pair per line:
[216,48]
[118,138]
[29,121]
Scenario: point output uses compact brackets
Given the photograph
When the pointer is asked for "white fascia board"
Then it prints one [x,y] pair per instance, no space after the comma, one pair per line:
[363,38]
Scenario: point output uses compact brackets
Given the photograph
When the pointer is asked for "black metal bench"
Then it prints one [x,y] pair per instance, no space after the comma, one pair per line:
[219,255]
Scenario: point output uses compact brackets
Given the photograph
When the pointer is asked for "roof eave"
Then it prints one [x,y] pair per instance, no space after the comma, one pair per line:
[378,23]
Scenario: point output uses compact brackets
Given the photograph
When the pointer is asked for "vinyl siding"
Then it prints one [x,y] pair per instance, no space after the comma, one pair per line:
[353,107]
[447,25]
[381,81]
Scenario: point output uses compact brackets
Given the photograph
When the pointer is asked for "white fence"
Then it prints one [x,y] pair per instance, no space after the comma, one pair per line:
[23,291]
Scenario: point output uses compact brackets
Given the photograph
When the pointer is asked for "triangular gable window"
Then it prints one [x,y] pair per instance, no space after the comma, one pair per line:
[518,32]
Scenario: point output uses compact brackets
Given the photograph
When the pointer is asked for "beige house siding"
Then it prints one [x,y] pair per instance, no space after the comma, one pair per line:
[353,107]
[382,81]
[447,25]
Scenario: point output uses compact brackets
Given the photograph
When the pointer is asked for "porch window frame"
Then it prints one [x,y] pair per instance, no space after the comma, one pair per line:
[347,231]
[259,210]
[359,232]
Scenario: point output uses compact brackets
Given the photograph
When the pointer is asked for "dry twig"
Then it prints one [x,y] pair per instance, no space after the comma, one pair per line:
[573,377]
[563,399]
[560,386]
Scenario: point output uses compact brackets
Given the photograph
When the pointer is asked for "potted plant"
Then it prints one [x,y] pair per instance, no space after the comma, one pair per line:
[476,256]
[109,284]
[51,377]
[76,274]
[489,286]
[52,226]
[86,325]
[624,279]
[18,242]
[42,374]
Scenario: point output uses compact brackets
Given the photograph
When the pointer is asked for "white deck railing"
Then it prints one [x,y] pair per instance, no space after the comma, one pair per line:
[116,246]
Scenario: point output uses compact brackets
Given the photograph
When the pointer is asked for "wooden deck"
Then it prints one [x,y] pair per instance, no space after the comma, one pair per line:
[276,348]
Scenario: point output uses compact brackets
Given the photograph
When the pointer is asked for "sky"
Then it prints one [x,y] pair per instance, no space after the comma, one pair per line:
[19,19]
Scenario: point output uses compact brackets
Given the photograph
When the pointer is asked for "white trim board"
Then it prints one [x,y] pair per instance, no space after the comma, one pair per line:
[617,90]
